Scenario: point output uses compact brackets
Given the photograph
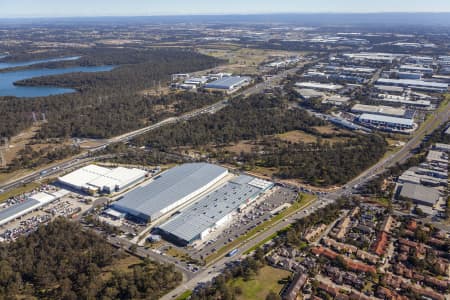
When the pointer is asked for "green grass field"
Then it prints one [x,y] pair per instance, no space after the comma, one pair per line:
[18,191]
[268,279]
[185,295]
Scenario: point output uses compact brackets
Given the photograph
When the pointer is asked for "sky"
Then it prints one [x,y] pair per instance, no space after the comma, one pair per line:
[74,8]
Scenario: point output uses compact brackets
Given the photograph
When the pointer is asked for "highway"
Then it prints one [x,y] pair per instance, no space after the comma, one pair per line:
[191,280]
[400,156]
[84,158]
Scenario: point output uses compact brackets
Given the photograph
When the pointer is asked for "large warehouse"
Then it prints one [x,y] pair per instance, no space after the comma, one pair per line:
[379,110]
[319,86]
[420,85]
[94,178]
[420,194]
[29,204]
[386,121]
[228,84]
[169,190]
[213,210]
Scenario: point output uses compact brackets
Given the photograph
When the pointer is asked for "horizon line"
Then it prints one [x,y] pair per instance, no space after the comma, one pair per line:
[222,14]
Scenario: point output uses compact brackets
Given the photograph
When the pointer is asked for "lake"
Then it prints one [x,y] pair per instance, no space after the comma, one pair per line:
[7,79]
[5,65]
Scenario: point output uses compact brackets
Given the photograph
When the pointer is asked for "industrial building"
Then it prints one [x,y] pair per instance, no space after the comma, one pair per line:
[409,75]
[29,204]
[419,194]
[374,57]
[196,81]
[336,100]
[416,69]
[319,86]
[382,110]
[442,147]
[421,85]
[228,84]
[437,157]
[420,176]
[405,100]
[96,179]
[310,94]
[213,210]
[169,191]
[386,122]
[420,60]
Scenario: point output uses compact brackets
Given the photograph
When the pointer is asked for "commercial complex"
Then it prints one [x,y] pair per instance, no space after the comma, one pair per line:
[420,194]
[421,85]
[319,86]
[228,84]
[29,204]
[93,179]
[416,69]
[386,122]
[379,110]
[213,210]
[374,57]
[169,191]
[405,100]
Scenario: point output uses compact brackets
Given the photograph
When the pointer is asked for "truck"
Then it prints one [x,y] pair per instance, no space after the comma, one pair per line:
[232,252]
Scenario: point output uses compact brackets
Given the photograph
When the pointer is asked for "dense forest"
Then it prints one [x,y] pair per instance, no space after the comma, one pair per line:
[260,117]
[243,119]
[28,158]
[108,103]
[61,261]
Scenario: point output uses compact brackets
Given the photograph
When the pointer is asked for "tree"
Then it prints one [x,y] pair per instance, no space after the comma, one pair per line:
[133,248]
[273,296]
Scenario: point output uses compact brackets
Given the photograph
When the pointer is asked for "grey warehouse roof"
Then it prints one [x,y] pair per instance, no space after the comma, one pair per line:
[420,193]
[227,82]
[148,202]
[16,209]
[206,212]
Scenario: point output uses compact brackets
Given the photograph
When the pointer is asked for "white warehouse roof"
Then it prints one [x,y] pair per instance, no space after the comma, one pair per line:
[413,83]
[318,85]
[79,179]
[117,177]
[386,119]
[93,177]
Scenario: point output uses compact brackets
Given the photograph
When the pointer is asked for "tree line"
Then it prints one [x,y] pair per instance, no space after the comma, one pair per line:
[107,103]
[258,119]
[62,261]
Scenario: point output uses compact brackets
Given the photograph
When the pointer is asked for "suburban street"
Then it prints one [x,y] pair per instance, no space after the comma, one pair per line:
[399,157]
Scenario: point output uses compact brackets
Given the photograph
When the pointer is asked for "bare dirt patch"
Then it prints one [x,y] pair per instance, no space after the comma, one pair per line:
[297,136]
[19,142]
[242,147]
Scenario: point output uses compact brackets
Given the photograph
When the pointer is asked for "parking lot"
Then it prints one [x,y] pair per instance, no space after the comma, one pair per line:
[69,206]
[255,214]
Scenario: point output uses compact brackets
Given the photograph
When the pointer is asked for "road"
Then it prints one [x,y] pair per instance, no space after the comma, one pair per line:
[400,156]
[87,157]
[205,274]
